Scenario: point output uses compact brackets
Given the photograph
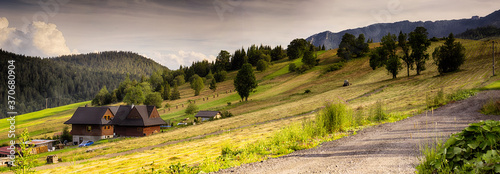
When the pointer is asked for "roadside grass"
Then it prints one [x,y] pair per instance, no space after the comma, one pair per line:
[492,107]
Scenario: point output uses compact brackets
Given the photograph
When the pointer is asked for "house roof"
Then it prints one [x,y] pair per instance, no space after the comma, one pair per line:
[144,112]
[89,115]
[207,114]
[37,142]
[5,150]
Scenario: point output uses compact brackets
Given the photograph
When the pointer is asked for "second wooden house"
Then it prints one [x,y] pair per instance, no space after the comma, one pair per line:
[137,121]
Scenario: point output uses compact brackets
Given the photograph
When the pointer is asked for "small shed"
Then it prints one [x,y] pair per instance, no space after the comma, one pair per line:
[207,115]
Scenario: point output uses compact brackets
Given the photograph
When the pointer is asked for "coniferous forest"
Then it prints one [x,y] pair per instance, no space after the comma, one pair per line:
[68,79]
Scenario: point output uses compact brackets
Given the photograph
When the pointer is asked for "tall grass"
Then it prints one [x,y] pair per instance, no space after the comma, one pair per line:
[378,112]
[492,107]
[334,117]
[437,100]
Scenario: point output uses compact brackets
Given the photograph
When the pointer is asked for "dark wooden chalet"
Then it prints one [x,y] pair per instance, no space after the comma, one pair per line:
[91,124]
[207,115]
[136,121]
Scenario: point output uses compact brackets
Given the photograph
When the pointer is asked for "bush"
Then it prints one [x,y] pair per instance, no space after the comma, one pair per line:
[261,65]
[461,95]
[334,67]
[307,91]
[191,109]
[334,117]
[302,69]
[436,101]
[474,150]
[220,76]
[292,67]
[491,108]
[226,114]
[378,112]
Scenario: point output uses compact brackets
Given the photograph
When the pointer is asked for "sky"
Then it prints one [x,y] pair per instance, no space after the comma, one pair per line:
[178,32]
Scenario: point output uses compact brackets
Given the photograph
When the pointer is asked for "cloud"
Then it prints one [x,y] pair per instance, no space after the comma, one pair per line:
[184,58]
[40,39]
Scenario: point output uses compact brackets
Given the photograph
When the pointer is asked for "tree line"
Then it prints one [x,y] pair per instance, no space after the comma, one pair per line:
[448,57]
[163,85]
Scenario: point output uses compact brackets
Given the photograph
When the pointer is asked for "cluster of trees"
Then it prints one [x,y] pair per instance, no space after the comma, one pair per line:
[480,33]
[58,81]
[301,48]
[448,57]
[352,47]
[163,85]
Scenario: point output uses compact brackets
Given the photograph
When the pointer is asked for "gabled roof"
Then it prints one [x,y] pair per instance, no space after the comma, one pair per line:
[89,115]
[144,113]
[207,114]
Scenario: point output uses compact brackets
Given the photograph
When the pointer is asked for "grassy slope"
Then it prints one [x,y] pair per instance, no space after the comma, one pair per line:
[281,95]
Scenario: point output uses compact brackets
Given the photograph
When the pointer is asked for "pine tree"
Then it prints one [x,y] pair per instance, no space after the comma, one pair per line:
[245,81]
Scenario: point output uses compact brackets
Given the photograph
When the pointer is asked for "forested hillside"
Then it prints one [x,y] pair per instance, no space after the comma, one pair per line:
[112,61]
[480,33]
[69,79]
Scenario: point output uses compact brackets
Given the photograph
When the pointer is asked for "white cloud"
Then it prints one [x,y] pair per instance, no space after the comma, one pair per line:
[41,39]
[184,58]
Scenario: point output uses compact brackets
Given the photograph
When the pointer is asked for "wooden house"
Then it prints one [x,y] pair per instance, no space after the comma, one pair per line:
[91,124]
[137,121]
[95,123]
[207,115]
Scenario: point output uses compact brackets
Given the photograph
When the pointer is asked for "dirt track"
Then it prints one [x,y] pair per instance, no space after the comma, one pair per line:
[387,148]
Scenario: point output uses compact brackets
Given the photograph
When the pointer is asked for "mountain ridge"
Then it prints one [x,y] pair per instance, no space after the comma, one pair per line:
[439,28]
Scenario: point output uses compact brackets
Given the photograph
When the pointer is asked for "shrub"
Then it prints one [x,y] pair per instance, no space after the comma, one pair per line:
[461,95]
[334,67]
[226,114]
[182,168]
[292,67]
[491,108]
[307,91]
[334,117]
[261,65]
[378,112]
[229,103]
[191,109]
[474,150]
[436,101]
[302,69]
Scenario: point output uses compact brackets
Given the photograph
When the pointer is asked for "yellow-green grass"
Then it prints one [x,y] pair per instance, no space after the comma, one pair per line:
[40,123]
[191,152]
[494,85]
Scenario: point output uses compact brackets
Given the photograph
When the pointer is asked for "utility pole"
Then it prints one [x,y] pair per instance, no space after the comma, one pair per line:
[493,50]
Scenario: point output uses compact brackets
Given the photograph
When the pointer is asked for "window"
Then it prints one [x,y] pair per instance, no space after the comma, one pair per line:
[139,129]
[89,128]
[107,117]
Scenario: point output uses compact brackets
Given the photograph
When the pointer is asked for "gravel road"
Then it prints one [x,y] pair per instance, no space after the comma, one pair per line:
[387,148]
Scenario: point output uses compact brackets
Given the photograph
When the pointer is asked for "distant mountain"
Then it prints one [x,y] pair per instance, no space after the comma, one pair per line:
[68,79]
[435,29]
